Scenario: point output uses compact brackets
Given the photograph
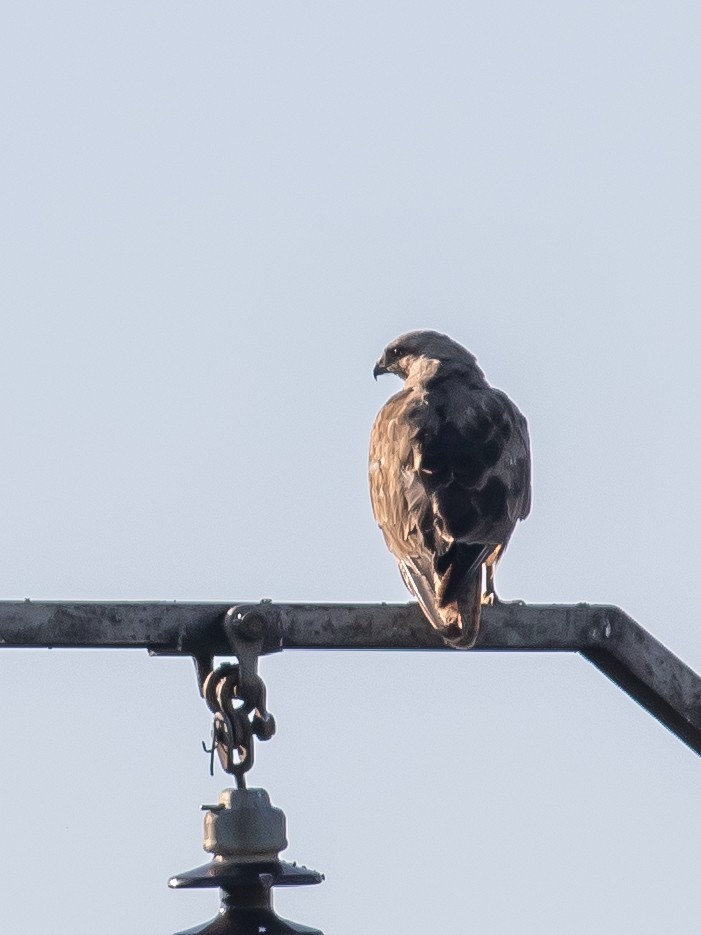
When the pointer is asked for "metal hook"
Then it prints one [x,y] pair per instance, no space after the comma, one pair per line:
[236,696]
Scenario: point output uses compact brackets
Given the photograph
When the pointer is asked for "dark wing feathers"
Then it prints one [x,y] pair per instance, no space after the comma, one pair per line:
[473,461]
[457,564]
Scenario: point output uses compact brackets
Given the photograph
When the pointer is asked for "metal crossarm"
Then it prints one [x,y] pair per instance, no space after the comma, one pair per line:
[606,636]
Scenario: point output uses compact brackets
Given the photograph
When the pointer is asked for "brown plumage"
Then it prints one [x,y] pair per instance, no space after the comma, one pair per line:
[449,478]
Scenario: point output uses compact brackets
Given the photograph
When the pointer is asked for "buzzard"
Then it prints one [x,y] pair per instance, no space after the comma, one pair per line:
[450,476]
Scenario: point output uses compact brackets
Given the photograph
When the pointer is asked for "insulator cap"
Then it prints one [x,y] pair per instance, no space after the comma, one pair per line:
[245,827]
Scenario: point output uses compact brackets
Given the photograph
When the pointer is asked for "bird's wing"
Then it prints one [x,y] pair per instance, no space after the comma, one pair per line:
[393,488]
[400,502]
[473,461]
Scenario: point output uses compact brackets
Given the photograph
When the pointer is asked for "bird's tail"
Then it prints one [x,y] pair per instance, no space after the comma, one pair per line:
[457,621]
[459,589]
[469,607]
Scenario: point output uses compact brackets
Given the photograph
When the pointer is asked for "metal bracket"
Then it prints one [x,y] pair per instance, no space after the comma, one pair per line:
[247,632]
[630,656]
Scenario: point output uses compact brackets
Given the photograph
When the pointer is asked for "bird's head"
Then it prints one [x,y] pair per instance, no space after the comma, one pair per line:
[424,352]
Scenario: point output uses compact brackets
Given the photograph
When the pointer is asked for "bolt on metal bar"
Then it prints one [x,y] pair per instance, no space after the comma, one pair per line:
[617,645]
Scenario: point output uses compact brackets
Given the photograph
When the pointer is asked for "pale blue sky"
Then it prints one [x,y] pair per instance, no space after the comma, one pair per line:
[214,216]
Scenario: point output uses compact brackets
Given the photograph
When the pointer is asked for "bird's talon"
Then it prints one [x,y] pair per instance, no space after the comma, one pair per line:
[497,601]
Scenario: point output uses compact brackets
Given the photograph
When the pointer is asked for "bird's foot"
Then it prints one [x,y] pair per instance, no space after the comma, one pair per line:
[493,600]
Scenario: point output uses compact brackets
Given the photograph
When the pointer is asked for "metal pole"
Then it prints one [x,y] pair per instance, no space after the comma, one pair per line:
[606,636]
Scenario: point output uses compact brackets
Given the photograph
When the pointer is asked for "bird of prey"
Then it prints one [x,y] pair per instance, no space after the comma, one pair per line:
[450,476]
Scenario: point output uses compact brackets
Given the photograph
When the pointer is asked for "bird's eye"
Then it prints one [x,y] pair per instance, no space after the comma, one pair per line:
[397,351]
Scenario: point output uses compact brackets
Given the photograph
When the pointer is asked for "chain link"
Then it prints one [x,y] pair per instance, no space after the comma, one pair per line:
[236,696]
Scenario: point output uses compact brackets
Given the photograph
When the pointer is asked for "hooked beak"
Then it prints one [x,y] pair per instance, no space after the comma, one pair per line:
[380,368]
